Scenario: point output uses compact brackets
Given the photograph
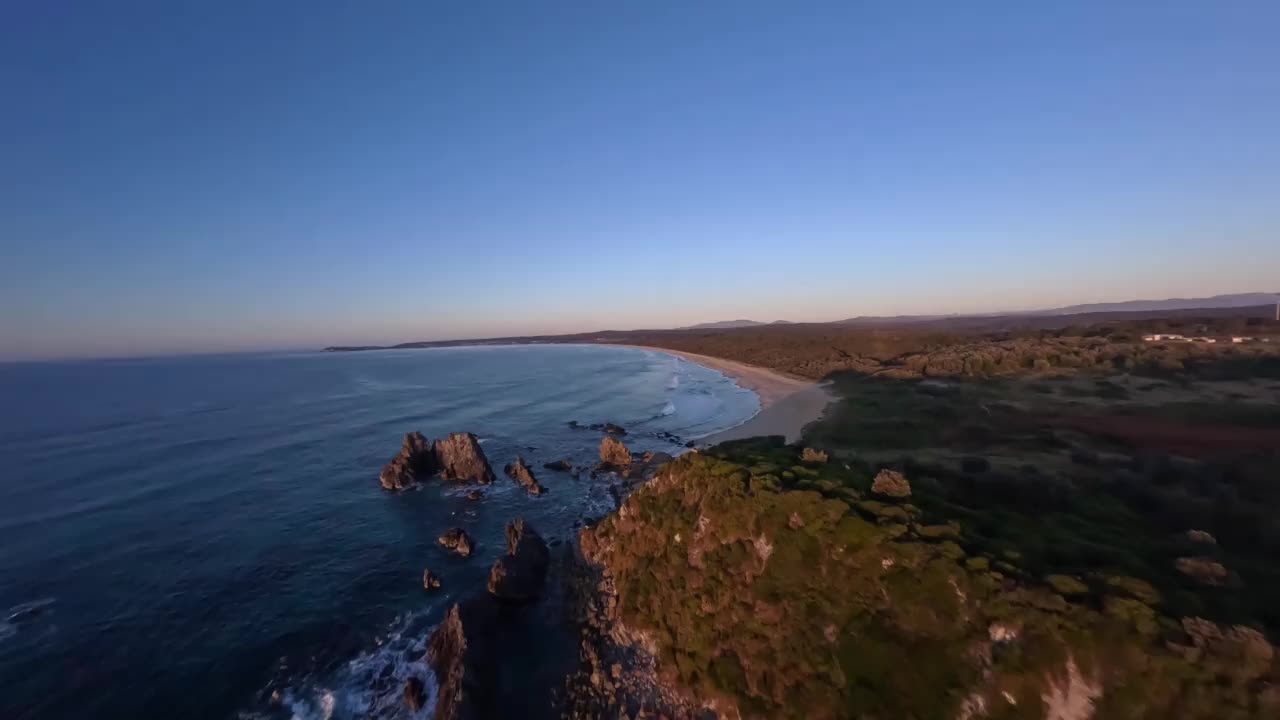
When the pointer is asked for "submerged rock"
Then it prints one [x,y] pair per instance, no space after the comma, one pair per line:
[461,459]
[474,495]
[457,540]
[519,575]
[891,483]
[463,653]
[521,473]
[559,466]
[614,454]
[614,429]
[415,694]
[416,461]
[430,581]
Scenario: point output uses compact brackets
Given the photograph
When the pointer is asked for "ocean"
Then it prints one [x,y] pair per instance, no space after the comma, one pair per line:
[205,537]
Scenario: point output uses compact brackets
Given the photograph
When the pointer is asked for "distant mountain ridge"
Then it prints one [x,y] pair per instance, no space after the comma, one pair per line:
[1217,301]
[728,324]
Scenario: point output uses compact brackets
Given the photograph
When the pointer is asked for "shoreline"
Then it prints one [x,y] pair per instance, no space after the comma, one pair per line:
[787,404]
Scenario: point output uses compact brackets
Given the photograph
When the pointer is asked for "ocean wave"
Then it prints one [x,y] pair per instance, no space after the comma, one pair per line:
[668,409]
[370,685]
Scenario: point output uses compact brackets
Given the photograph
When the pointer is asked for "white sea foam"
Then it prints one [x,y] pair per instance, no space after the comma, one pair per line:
[669,409]
[370,685]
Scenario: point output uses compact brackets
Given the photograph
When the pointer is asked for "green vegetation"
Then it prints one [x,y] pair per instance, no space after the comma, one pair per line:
[793,603]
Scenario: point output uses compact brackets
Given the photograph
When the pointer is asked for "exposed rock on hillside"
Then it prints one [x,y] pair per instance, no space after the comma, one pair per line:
[457,540]
[521,473]
[613,454]
[463,653]
[810,455]
[461,459]
[891,483]
[416,461]
[519,575]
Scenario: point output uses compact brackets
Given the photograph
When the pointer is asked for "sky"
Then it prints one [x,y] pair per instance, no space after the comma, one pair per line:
[217,176]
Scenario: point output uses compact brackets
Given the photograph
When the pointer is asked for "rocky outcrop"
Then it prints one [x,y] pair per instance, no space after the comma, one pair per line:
[416,461]
[461,459]
[1200,536]
[430,580]
[521,473]
[559,466]
[813,456]
[457,540]
[613,454]
[519,575]
[891,483]
[415,694]
[463,653]
[1204,570]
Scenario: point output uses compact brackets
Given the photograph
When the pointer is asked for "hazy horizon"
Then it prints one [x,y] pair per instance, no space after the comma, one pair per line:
[289,177]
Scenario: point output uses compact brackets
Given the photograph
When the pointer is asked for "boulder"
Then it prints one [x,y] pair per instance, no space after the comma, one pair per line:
[415,694]
[521,473]
[810,455]
[612,429]
[1203,570]
[519,575]
[891,483]
[614,454]
[559,466]
[430,581]
[461,459]
[457,540]
[416,461]
[462,651]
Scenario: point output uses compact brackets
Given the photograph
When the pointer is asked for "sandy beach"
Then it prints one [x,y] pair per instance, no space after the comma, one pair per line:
[787,404]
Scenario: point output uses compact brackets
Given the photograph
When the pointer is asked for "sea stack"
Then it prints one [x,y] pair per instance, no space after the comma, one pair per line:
[519,575]
[614,454]
[463,653]
[416,461]
[461,459]
[457,540]
[521,473]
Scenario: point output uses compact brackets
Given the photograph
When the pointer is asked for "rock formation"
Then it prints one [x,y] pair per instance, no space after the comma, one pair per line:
[519,575]
[891,483]
[457,540]
[415,694]
[559,466]
[461,459]
[1200,536]
[521,473]
[463,653]
[811,455]
[430,581]
[416,461]
[613,454]
[1204,570]
[612,429]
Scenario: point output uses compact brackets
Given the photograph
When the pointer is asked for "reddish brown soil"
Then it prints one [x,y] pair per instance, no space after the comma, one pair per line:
[1177,438]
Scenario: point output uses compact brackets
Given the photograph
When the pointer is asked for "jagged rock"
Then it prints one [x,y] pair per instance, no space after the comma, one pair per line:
[415,694]
[463,653]
[810,455]
[457,540]
[519,575]
[521,473]
[559,466]
[1200,536]
[612,429]
[415,461]
[461,459]
[1237,650]
[430,581]
[1203,570]
[891,483]
[474,495]
[614,454]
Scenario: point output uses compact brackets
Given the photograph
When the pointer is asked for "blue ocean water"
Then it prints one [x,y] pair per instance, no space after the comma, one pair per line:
[205,537]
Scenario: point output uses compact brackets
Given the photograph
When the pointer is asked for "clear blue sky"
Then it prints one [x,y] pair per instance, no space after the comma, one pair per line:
[205,176]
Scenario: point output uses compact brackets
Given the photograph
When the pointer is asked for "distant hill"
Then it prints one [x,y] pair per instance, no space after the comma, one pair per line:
[728,324]
[1217,301]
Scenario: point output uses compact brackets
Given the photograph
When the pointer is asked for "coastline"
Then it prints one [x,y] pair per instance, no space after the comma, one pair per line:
[787,404]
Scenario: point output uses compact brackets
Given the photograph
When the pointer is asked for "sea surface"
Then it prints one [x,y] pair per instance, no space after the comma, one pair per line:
[205,537]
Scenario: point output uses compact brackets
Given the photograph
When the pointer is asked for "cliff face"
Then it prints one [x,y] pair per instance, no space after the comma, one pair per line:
[764,602]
